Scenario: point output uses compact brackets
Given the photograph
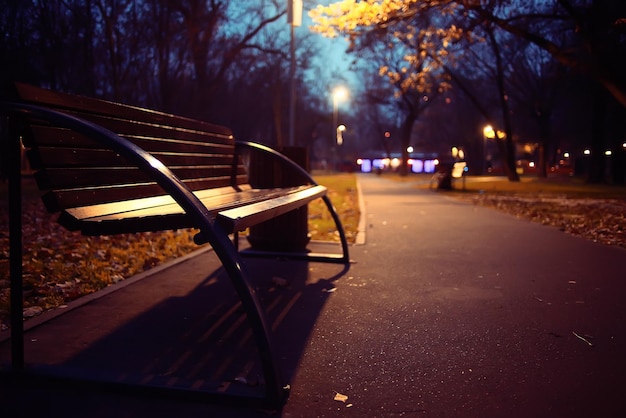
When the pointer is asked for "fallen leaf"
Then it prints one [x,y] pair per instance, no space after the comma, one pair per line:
[32,311]
[340,398]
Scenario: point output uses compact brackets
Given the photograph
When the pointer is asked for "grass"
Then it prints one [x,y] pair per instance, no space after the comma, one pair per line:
[342,191]
[569,187]
[554,185]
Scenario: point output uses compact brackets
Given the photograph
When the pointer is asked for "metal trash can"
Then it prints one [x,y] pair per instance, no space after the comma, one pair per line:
[444,179]
[288,232]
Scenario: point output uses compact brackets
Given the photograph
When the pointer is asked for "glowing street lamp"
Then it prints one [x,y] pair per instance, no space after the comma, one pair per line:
[339,94]
[489,132]
[458,153]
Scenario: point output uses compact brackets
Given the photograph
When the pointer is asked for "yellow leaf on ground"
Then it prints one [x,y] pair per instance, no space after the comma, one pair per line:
[341,398]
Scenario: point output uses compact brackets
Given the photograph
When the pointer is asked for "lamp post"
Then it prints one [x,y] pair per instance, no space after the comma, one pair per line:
[340,131]
[339,93]
[490,133]
[294,18]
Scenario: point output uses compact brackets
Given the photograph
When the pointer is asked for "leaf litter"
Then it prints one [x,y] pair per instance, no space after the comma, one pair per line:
[600,220]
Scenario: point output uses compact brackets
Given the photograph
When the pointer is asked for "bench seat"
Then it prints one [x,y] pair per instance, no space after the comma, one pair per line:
[234,209]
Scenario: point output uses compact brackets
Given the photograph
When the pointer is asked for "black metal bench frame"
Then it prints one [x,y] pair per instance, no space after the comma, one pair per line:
[215,226]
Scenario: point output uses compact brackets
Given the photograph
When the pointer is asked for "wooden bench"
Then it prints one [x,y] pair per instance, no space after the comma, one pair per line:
[109,168]
[447,175]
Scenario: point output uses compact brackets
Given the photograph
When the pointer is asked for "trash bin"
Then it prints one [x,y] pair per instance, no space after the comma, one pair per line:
[288,232]
[444,179]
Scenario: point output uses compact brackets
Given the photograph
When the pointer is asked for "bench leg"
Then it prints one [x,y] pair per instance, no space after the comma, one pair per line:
[15,246]
[342,234]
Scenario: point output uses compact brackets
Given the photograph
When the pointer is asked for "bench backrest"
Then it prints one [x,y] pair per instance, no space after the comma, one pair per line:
[74,170]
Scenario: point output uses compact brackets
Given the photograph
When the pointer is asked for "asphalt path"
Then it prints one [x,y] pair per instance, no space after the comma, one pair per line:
[453,310]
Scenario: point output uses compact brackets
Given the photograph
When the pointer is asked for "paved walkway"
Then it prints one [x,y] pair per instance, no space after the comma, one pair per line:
[450,310]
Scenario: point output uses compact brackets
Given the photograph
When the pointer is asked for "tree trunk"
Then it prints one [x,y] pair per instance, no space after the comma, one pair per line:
[507,147]
[618,143]
[542,164]
[405,137]
[544,139]
[597,166]
[507,155]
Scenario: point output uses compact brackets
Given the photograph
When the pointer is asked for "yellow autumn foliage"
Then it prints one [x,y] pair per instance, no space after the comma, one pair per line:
[428,45]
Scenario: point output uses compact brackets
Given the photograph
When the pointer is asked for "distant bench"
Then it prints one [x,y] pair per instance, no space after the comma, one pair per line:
[447,175]
[110,168]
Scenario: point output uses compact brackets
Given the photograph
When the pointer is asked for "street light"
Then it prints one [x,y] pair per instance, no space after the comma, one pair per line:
[294,19]
[340,130]
[458,153]
[491,133]
[340,93]
[488,132]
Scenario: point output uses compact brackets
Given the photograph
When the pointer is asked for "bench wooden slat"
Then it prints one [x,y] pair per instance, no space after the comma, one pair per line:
[51,136]
[240,218]
[139,128]
[73,178]
[147,128]
[59,200]
[76,157]
[87,105]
